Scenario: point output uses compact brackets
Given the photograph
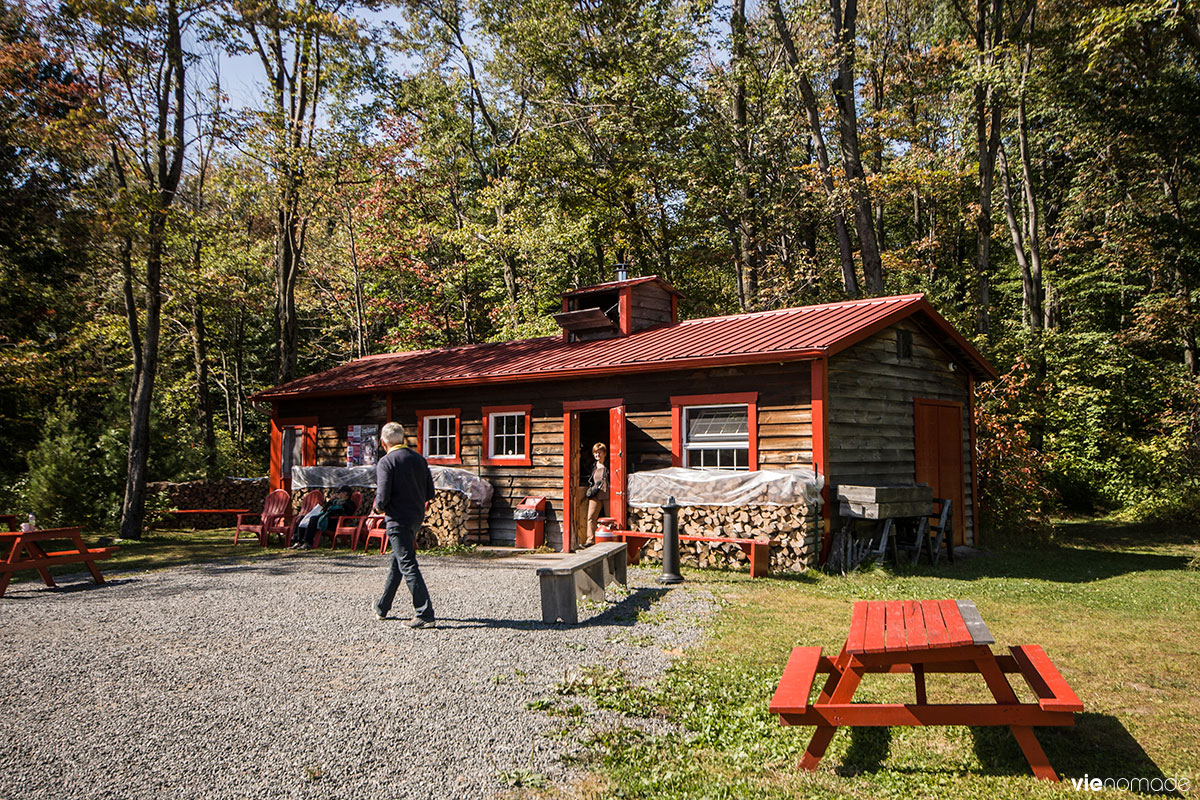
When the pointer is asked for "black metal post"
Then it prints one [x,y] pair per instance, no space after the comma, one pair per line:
[670,557]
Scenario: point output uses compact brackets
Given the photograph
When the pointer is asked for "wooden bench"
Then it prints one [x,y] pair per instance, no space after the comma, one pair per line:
[585,573]
[27,553]
[796,684]
[183,513]
[1053,692]
[758,550]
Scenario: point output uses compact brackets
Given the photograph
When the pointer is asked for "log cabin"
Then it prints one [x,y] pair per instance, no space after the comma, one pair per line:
[873,391]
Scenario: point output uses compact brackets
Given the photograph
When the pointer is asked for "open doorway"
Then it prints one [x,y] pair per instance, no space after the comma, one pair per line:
[593,430]
[587,424]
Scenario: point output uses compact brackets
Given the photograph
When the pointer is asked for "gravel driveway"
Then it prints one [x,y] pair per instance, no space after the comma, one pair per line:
[273,679]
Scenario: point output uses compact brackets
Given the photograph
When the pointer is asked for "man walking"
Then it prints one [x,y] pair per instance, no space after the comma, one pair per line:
[403,489]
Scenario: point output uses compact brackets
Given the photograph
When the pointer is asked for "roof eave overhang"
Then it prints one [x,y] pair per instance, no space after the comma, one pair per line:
[607,370]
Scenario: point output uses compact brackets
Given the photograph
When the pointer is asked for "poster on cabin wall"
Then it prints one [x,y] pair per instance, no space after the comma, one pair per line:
[362,445]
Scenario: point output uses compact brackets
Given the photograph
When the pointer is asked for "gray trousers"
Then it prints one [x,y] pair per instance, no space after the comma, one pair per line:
[404,565]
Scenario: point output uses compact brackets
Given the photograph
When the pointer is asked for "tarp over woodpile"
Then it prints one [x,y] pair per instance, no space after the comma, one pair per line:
[701,487]
[454,480]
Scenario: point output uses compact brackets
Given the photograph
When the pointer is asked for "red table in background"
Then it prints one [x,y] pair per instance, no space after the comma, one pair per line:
[26,553]
[921,637]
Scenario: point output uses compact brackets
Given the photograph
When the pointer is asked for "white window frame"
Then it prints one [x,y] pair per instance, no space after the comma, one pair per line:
[689,447]
[523,436]
[427,438]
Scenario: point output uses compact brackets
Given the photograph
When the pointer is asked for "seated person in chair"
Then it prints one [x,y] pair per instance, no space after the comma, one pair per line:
[321,519]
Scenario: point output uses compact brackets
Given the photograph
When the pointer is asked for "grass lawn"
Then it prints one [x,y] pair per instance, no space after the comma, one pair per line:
[1115,606]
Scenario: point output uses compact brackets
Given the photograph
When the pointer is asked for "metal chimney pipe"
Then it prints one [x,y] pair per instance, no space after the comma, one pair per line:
[622,273]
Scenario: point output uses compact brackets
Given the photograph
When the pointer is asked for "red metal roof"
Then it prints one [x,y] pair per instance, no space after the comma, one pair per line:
[785,335]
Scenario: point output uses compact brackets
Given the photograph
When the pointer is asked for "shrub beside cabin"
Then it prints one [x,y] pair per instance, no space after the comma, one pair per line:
[871,391]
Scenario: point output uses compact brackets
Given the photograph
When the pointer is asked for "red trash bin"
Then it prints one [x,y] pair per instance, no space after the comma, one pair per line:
[531,522]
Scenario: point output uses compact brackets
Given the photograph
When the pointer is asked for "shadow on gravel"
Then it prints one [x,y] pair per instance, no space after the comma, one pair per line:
[84,584]
[624,613]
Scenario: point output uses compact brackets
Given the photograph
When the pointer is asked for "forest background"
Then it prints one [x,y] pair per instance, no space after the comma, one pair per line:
[200,199]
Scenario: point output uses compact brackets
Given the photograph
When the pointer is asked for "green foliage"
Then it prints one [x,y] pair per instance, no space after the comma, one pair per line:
[67,482]
[1013,495]
[470,161]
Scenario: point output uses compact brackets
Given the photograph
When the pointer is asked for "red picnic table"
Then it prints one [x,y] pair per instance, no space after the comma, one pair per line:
[26,553]
[922,637]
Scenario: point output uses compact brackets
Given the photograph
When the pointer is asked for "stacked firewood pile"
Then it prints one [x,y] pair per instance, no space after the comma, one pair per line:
[453,518]
[230,493]
[793,531]
[364,508]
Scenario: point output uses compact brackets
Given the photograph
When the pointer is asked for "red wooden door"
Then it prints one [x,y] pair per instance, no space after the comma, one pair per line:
[616,462]
[938,446]
[570,478]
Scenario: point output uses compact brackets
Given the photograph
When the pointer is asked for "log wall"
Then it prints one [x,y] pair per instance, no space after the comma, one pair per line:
[871,425]
[784,425]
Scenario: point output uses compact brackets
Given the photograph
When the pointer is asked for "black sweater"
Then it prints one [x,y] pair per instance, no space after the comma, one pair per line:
[403,484]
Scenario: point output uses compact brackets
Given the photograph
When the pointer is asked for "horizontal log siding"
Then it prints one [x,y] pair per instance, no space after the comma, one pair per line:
[784,425]
[871,425]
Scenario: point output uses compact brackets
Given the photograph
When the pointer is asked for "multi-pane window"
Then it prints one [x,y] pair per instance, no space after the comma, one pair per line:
[716,437]
[441,437]
[508,435]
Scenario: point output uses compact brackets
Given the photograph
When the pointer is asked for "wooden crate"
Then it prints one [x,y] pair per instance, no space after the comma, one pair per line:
[883,502]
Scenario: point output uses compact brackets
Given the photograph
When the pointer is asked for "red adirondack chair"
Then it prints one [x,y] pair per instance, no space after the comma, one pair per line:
[311,500]
[375,527]
[346,526]
[275,516]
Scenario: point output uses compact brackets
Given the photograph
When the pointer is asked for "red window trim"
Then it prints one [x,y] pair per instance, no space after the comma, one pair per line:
[424,414]
[679,402]
[511,461]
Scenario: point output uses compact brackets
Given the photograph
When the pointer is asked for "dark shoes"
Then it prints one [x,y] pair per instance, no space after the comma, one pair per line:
[417,622]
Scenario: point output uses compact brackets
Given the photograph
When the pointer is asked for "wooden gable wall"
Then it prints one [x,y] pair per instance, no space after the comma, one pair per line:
[870,410]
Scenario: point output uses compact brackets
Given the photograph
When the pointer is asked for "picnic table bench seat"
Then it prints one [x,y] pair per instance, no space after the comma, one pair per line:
[796,683]
[26,552]
[758,549]
[585,574]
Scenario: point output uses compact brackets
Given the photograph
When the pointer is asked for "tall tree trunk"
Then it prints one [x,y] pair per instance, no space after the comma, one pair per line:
[141,392]
[163,177]
[1191,358]
[1033,298]
[295,93]
[203,396]
[748,249]
[986,22]
[360,316]
[290,242]
[812,111]
[1024,250]
[844,32]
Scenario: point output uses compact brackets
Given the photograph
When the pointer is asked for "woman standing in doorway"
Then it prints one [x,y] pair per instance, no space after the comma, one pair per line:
[597,493]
